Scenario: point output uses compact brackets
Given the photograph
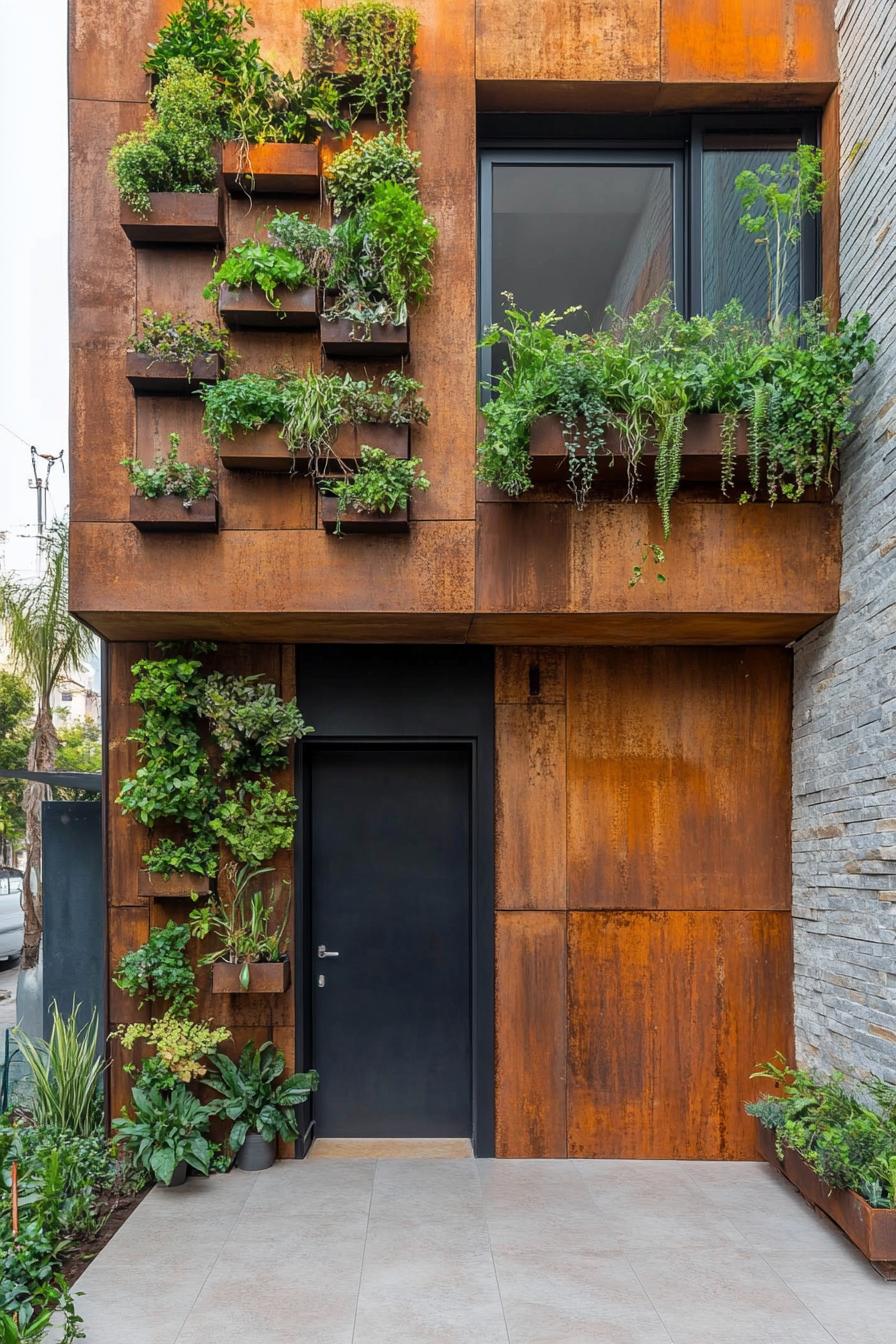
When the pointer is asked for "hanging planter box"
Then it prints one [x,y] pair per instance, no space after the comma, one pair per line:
[352,521]
[258,450]
[271,170]
[178,217]
[249,308]
[265,977]
[168,514]
[342,339]
[701,454]
[872,1230]
[178,886]
[149,375]
[350,439]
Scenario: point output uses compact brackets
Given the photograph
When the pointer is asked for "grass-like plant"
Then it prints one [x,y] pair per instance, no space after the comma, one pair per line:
[368,49]
[169,475]
[65,1073]
[249,925]
[352,175]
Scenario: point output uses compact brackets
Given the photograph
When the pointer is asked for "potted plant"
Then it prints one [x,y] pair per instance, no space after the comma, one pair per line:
[368,50]
[261,1108]
[167,173]
[375,498]
[251,931]
[175,354]
[262,284]
[271,121]
[171,495]
[167,1134]
[352,175]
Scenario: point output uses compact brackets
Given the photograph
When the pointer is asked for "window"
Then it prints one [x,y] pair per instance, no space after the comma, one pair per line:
[612,224]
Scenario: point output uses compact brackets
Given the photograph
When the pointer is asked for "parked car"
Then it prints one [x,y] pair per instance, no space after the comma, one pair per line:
[12,919]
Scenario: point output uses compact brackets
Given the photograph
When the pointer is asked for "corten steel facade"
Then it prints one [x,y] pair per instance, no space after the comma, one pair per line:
[642,888]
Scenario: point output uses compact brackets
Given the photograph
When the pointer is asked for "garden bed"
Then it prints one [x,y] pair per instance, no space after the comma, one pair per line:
[176,885]
[178,217]
[167,514]
[249,308]
[265,977]
[149,375]
[271,169]
[353,521]
[701,457]
[872,1231]
[339,339]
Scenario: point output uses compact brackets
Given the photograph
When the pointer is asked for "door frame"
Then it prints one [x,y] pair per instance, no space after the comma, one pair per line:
[482,932]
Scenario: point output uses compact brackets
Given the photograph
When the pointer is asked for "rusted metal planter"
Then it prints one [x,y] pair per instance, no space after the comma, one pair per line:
[342,339]
[242,308]
[259,449]
[271,170]
[264,450]
[352,521]
[178,217]
[148,375]
[701,454]
[873,1231]
[168,514]
[177,886]
[265,977]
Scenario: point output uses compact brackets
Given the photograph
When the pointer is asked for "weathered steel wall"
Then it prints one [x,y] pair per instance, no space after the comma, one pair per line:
[844,736]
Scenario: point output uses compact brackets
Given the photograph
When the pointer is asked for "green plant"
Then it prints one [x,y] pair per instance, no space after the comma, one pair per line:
[173,151]
[774,202]
[169,476]
[160,970]
[244,403]
[381,259]
[311,243]
[180,338]
[249,926]
[376,41]
[254,820]
[253,263]
[291,109]
[381,483]
[168,1128]
[31,1321]
[352,175]
[252,1098]
[252,726]
[180,1047]
[65,1073]
[210,34]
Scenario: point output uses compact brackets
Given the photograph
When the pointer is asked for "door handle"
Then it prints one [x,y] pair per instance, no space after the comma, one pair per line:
[322,951]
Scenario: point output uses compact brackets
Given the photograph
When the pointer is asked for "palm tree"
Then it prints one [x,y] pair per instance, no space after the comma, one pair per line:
[45,643]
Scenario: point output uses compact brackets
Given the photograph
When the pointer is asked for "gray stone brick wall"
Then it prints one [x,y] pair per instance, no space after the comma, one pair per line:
[844,711]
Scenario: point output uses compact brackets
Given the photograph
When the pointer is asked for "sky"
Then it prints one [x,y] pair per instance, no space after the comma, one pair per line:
[33,243]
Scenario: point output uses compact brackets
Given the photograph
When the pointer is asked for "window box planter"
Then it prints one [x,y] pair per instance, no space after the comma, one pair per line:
[263,449]
[271,170]
[701,457]
[352,521]
[148,375]
[167,514]
[338,339]
[265,977]
[178,217]
[872,1231]
[178,886]
[249,308]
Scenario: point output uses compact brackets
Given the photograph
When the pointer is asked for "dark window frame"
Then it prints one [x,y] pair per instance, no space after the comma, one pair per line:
[526,138]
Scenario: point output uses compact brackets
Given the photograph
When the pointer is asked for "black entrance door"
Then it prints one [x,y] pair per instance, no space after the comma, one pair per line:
[390,892]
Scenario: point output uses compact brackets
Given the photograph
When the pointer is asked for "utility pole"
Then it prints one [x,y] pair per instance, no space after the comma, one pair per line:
[42,485]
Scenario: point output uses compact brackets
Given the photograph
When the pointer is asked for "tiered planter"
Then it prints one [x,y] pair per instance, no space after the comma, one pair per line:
[872,1230]
[265,977]
[177,886]
[241,308]
[149,375]
[352,521]
[168,514]
[264,450]
[701,456]
[178,217]
[271,170]
[339,339]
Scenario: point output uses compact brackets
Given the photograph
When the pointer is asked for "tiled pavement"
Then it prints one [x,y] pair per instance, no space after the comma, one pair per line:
[438,1251]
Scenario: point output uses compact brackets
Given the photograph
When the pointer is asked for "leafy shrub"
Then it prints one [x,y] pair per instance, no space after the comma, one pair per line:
[381,259]
[65,1073]
[381,483]
[352,175]
[173,151]
[169,476]
[252,1098]
[253,263]
[168,1128]
[255,820]
[249,926]
[244,403]
[160,970]
[252,726]
[180,338]
[180,1047]
[311,243]
[377,43]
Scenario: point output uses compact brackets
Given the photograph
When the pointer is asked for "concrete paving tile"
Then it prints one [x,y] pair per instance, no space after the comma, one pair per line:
[442,1298]
[856,1308]
[318,1189]
[425,1190]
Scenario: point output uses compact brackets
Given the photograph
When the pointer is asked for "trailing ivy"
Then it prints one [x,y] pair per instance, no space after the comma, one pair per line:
[368,50]
[159,970]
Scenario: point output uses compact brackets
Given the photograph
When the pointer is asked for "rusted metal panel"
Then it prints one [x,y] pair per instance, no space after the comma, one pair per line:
[719,42]
[570,40]
[530,807]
